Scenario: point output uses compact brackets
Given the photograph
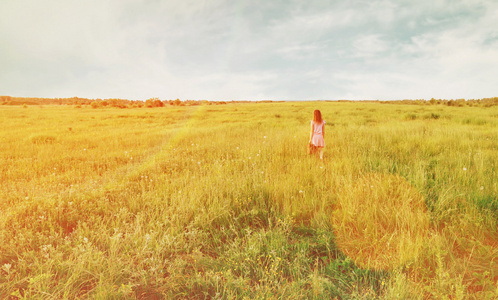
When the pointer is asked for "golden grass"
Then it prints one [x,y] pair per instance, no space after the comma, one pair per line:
[223,202]
[381,221]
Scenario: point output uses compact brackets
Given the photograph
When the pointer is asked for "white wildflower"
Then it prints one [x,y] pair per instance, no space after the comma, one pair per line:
[7,267]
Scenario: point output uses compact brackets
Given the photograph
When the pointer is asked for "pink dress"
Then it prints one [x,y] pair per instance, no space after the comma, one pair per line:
[317,138]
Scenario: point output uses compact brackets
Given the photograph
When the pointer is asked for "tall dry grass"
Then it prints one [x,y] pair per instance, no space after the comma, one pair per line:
[223,202]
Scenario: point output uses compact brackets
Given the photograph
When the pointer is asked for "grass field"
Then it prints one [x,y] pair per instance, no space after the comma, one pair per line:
[222,202]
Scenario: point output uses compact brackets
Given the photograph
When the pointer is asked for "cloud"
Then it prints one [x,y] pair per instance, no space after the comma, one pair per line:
[369,46]
[224,50]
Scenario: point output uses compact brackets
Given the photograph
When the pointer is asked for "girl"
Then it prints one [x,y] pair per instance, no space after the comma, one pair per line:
[318,132]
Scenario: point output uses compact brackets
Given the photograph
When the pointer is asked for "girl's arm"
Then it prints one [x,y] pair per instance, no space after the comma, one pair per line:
[311,131]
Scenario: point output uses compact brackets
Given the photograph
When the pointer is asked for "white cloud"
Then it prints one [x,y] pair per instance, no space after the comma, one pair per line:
[369,46]
[299,52]
[223,50]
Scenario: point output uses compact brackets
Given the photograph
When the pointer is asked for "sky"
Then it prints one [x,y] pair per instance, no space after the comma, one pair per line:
[249,49]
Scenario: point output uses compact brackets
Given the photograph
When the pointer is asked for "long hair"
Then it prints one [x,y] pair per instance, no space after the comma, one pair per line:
[317,117]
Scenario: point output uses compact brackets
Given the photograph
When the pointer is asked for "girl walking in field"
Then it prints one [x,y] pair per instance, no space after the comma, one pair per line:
[317,132]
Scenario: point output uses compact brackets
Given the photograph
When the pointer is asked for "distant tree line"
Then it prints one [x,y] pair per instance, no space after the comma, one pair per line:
[156,102]
[100,103]
[485,102]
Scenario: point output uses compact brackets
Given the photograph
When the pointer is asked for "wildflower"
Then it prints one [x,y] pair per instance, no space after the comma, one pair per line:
[465,169]
[264,137]
[482,188]
[7,267]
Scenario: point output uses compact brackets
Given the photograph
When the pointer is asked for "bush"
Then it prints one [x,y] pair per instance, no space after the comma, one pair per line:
[154,102]
[432,116]
[43,139]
